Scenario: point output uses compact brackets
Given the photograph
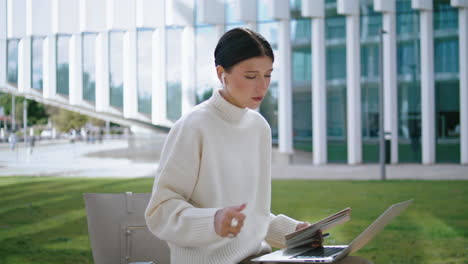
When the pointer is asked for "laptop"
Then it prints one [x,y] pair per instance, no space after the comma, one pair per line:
[329,254]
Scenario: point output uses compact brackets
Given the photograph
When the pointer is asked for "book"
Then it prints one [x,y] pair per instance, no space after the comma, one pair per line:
[306,235]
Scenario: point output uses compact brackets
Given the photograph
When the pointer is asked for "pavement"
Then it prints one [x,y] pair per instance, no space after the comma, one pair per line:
[138,157]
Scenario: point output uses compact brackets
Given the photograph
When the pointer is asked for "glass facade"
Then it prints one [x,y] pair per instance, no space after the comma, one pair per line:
[335,34]
[89,66]
[408,58]
[268,28]
[174,72]
[12,61]
[116,68]
[447,82]
[206,78]
[370,24]
[144,69]
[409,82]
[301,74]
[37,58]
[63,63]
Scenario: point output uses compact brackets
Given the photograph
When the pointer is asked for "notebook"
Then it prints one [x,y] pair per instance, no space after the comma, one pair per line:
[329,254]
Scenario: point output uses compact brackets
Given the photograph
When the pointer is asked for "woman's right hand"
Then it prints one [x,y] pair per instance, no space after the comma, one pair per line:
[224,224]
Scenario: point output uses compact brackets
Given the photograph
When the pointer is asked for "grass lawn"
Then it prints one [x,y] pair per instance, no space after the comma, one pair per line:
[43,220]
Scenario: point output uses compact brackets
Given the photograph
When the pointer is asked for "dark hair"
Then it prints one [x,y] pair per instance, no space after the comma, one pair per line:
[240,44]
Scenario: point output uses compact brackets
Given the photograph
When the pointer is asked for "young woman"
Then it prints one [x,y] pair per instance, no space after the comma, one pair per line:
[211,196]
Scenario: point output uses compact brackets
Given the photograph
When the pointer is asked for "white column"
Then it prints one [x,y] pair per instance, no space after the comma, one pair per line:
[102,72]
[353,82]
[130,92]
[427,87]
[285,89]
[24,65]
[463,46]
[188,68]
[50,73]
[76,70]
[3,62]
[319,91]
[3,41]
[350,8]
[390,82]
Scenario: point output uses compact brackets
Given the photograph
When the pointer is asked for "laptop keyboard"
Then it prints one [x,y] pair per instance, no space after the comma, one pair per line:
[319,252]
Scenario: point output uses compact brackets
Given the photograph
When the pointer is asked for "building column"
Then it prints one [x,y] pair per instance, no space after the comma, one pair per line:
[24,65]
[50,67]
[188,68]
[3,62]
[130,91]
[427,86]
[76,70]
[350,8]
[390,82]
[3,42]
[285,136]
[102,70]
[463,46]
[319,91]
[353,82]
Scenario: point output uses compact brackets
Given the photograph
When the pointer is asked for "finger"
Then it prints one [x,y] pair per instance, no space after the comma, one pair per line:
[240,207]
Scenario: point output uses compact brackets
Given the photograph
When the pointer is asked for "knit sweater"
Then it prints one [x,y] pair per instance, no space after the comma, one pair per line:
[216,156]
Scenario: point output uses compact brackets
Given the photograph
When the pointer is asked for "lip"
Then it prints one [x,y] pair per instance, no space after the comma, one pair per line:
[258,98]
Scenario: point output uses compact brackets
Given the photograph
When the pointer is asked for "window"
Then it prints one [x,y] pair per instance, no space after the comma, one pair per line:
[63,63]
[89,66]
[116,68]
[12,61]
[144,70]
[37,64]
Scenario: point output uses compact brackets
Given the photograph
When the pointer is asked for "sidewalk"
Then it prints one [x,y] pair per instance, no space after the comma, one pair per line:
[139,158]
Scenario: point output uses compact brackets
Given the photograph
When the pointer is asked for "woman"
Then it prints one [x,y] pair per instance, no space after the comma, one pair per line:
[211,196]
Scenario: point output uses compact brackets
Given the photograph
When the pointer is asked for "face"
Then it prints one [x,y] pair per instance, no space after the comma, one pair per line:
[247,82]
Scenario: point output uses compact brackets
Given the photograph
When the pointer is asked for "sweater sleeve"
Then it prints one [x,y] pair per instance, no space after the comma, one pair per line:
[169,215]
[280,226]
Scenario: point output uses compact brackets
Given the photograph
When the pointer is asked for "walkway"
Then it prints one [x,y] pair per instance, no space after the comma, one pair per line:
[131,158]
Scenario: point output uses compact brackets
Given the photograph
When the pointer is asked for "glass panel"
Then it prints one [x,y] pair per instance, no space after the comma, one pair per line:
[409,83]
[144,71]
[447,82]
[116,68]
[370,23]
[12,61]
[89,67]
[269,106]
[37,45]
[229,11]
[335,31]
[207,80]
[301,73]
[63,62]
[296,6]
[174,72]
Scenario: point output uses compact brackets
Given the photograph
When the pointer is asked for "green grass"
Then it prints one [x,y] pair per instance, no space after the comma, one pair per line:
[43,220]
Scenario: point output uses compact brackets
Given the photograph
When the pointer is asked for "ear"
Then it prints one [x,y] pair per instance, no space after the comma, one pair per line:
[220,72]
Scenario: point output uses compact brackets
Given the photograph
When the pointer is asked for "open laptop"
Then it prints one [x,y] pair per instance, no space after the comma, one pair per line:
[329,254]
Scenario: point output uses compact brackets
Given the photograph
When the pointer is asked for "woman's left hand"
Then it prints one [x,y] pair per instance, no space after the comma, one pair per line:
[318,241]
[302,225]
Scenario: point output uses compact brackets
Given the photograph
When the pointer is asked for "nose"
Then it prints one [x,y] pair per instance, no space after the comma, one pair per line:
[263,84]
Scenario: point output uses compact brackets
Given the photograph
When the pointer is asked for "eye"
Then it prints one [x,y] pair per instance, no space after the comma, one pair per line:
[250,77]
[267,76]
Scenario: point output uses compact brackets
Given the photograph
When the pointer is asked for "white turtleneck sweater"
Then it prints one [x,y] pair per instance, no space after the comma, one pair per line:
[216,156]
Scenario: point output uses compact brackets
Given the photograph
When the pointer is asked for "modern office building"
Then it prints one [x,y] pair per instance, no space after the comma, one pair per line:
[150,61]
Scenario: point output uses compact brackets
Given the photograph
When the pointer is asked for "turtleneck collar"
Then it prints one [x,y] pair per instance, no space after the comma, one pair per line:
[229,112]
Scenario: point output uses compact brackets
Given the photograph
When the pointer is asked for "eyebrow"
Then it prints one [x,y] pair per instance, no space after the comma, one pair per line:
[258,71]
